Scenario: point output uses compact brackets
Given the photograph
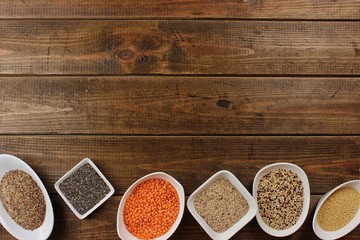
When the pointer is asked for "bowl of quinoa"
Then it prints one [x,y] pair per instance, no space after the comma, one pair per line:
[222,205]
[282,192]
[151,208]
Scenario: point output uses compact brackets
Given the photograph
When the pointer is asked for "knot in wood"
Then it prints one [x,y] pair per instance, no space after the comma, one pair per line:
[125,54]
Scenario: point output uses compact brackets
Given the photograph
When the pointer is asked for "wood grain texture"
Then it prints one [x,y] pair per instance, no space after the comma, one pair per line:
[179,105]
[101,225]
[328,161]
[179,47]
[274,9]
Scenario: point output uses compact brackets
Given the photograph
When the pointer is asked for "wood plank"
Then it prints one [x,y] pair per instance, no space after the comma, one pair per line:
[102,225]
[179,105]
[328,161]
[275,9]
[179,47]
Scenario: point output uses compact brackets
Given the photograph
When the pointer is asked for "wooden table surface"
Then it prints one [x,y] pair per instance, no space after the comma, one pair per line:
[187,87]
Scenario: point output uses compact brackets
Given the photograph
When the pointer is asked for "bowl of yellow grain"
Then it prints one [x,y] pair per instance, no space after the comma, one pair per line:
[338,211]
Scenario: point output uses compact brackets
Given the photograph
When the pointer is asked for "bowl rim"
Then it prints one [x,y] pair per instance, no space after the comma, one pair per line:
[162,175]
[306,205]
[49,208]
[72,170]
[238,225]
[322,234]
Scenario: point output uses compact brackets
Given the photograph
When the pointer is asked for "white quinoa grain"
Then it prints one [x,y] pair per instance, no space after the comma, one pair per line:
[221,205]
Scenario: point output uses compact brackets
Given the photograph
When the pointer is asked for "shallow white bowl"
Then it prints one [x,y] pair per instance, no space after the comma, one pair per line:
[237,226]
[121,227]
[7,163]
[303,177]
[327,235]
[79,165]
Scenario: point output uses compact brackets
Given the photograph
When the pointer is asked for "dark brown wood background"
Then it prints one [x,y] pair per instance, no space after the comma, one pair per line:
[188,87]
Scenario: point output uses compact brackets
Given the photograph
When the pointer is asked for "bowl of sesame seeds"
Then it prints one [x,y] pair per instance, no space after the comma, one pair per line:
[26,211]
[338,211]
[282,193]
[222,205]
[151,208]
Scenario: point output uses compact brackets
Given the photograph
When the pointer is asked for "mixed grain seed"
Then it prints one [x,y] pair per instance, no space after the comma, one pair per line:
[221,205]
[339,209]
[23,199]
[84,188]
[280,198]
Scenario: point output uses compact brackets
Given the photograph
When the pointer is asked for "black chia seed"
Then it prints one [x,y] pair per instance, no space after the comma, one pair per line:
[84,188]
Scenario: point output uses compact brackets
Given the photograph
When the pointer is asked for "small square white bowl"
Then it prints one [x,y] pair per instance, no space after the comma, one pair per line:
[79,165]
[237,226]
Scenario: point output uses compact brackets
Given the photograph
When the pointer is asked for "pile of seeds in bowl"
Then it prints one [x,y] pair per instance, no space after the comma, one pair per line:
[151,209]
[280,197]
[339,209]
[84,188]
[221,205]
[23,199]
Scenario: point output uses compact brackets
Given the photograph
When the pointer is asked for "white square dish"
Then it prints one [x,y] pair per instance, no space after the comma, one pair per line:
[237,226]
[79,165]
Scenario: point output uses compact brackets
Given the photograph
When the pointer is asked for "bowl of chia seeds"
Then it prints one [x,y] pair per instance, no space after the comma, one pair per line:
[282,193]
[222,205]
[84,188]
[26,211]
[338,211]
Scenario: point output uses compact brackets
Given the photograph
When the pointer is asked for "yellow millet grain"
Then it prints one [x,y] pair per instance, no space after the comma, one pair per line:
[339,209]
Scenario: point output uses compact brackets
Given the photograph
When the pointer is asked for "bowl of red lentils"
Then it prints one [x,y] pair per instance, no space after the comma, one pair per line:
[282,192]
[222,205]
[338,211]
[151,208]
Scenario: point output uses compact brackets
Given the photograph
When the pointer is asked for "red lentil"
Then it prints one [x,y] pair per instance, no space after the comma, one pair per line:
[151,209]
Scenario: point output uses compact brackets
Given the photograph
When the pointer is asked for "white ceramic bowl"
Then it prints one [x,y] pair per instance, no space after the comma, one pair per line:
[79,165]
[7,163]
[327,235]
[237,226]
[121,227]
[303,177]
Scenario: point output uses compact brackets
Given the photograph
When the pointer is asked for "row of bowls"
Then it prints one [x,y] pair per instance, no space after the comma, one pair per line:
[9,162]
[253,209]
